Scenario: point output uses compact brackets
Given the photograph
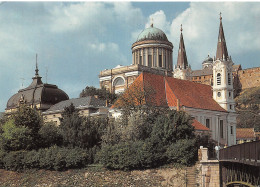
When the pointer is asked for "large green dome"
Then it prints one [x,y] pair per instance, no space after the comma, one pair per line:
[152,33]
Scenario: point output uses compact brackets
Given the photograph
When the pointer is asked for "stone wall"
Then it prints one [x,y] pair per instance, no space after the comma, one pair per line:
[249,78]
[208,170]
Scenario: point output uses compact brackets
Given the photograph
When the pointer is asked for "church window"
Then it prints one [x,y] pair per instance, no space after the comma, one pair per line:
[208,123]
[160,60]
[229,94]
[219,94]
[229,79]
[119,81]
[221,129]
[218,79]
[150,60]
[230,106]
[231,130]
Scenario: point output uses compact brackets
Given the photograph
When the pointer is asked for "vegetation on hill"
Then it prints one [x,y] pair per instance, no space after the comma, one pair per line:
[248,108]
[143,139]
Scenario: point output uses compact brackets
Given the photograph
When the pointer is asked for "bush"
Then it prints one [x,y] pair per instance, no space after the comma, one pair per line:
[50,135]
[56,158]
[14,138]
[182,152]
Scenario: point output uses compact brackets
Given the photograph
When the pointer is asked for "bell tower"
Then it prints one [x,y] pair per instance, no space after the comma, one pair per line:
[223,91]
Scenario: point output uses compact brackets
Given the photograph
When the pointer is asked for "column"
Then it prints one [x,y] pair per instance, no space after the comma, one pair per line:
[138,54]
[133,58]
[147,53]
[152,56]
[143,56]
[157,53]
[163,58]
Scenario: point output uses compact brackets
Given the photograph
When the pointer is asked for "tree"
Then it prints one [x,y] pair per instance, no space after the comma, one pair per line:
[79,131]
[20,131]
[102,93]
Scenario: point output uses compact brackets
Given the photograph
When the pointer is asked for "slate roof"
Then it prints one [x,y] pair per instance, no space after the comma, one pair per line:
[37,93]
[84,102]
[167,90]
[198,126]
[245,133]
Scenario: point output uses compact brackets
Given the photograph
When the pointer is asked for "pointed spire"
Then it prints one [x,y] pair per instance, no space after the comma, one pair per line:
[37,78]
[222,53]
[182,61]
[36,69]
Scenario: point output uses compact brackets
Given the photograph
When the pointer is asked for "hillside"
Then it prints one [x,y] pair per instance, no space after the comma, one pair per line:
[94,176]
[248,108]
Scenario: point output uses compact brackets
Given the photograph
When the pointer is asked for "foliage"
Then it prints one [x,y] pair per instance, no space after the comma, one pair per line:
[183,151]
[15,138]
[28,117]
[20,130]
[102,93]
[141,144]
[78,131]
[49,135]
[57,158]
[248,108]
[125,156]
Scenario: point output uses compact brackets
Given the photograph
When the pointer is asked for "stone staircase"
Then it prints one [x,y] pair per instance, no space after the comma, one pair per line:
[191,176]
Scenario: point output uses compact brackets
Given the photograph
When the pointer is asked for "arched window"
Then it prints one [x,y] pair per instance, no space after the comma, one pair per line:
[119,81]
[218,79]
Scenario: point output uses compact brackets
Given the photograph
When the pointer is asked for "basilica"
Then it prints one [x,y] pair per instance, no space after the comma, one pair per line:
[210,102]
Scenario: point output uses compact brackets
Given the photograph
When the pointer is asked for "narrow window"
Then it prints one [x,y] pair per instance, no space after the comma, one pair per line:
[160,60]
[230,106]
[207,123]
[229,94]
[221,129]
[150,60]
[140,60]
[229,79]
[218,79]
[231,129]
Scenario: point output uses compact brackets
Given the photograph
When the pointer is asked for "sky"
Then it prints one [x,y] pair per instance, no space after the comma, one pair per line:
[76,40]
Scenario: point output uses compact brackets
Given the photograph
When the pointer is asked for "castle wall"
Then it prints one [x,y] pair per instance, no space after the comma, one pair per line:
[249,78]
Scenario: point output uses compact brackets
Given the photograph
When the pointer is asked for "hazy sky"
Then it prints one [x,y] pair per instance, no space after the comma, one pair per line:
[75,41]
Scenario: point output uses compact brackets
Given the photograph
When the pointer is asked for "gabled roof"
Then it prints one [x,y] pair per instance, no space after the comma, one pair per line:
[169,90]
[245,133]
[198,126]
[83,102]
[203,72]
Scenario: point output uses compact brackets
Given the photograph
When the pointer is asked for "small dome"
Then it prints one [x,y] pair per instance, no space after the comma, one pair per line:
[38,93]
[152,33]
[208,60]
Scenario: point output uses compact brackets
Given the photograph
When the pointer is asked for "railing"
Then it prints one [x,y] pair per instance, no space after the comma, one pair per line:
[248,153]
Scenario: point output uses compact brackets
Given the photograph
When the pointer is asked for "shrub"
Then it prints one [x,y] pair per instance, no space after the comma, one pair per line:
[183,152]
[50,135]
[56,158]
[14,138]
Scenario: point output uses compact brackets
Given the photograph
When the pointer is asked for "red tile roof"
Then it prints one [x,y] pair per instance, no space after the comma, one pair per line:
[198,126]
[167,90]
[244,133]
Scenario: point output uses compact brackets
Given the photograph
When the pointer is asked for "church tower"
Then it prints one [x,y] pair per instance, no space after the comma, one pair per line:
[182,70]
[223,91]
